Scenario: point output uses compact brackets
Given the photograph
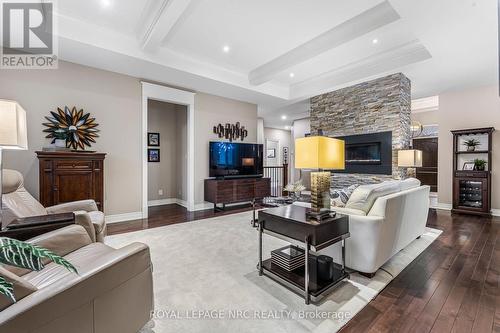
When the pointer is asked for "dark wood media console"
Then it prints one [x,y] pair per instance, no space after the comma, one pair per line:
[226,191]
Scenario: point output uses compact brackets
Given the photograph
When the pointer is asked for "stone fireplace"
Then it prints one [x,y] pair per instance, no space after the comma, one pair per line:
[367,115]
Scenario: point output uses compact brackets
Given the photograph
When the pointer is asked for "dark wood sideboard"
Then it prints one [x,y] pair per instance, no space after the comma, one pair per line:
[225,191]
[71,176]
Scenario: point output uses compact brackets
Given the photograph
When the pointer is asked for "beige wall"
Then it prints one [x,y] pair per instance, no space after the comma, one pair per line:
[284,138]
[425,118]
[169,120]
[210,111]
[113,99]
[462,110]
[301,127]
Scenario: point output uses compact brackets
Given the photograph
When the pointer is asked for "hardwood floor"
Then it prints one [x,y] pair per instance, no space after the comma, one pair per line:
[171,214]
[453,286]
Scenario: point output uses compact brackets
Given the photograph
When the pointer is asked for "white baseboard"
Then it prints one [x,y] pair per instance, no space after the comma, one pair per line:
[123,217]
[203,206]
[495,212]
[442,206]
[162,202]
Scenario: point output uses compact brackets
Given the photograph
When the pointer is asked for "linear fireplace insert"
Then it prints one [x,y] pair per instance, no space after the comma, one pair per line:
[368,153]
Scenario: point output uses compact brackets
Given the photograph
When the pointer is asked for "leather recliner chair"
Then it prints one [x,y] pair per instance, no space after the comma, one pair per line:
[17,203]
[112,292]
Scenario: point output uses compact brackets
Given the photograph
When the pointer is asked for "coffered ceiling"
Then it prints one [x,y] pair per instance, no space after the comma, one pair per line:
[278,53]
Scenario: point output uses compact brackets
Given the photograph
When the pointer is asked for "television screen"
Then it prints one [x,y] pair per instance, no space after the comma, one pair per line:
[230,159]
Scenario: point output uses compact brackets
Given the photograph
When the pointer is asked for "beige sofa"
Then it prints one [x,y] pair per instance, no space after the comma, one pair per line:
[19,203]
[113,291]
[383,219]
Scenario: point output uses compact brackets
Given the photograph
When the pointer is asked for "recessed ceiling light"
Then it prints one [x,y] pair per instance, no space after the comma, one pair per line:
[283,117]
[375,41]
[105,3]
[292,75]
[226,48]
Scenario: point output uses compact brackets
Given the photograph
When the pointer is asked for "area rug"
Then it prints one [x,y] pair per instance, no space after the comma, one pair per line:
[205,280]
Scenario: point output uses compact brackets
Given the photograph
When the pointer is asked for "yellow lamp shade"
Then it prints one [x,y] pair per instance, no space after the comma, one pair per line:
[319,152]
[13,132]
[410,158]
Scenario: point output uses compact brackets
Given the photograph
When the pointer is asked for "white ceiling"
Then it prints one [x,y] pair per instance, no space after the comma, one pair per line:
[440,45]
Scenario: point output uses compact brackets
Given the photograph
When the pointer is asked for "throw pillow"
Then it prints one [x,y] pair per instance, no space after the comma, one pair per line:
[339,197]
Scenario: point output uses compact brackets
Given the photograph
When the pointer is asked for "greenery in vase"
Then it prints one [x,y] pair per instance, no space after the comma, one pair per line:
[295,187]
[471,143]
[60,134]
[480,164]
[28,256]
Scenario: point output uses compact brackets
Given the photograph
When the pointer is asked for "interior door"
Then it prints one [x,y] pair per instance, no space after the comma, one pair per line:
[427,174]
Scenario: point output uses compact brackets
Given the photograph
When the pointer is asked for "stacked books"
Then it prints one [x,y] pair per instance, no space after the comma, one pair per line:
[289,257]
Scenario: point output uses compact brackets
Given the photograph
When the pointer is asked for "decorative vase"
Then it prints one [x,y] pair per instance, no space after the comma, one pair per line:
[60,143]
[471,148]
[480,168]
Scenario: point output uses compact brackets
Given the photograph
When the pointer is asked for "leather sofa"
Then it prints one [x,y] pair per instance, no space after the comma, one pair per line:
[19,203]
[112,292]
[383,219]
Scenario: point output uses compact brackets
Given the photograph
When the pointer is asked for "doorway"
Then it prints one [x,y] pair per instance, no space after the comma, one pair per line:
[180,97]
[167,146]
[428,173]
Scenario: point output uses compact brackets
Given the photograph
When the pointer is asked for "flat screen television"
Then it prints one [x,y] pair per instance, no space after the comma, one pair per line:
[233,160]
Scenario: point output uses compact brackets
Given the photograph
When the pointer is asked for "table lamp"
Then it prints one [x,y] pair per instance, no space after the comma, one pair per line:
[319,153]
[13,132]
[410,159]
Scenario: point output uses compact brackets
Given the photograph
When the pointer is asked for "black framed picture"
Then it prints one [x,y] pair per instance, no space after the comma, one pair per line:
[468,166]
[153,155]
[154,139]
[271,153]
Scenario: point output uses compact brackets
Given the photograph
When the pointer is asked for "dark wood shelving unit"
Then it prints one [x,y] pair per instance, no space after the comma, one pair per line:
[472,152]
[472,188]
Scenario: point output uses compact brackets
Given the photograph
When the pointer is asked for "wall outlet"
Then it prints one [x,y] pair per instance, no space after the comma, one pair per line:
[160,192]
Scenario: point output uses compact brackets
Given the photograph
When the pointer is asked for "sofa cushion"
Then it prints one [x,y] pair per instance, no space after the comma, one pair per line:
[364,196]
[409,183]
[81,258]
[22,288]
[348,211]
[339,197]
[97,219]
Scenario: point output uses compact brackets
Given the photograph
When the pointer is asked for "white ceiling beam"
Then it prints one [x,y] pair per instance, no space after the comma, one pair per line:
[357,26]
[385,62]
[159,21]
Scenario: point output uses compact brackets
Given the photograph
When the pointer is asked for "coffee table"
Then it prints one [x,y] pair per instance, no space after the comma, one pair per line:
[290,224]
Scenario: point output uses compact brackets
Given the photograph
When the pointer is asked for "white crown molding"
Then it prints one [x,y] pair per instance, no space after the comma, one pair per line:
[427,104]
[123,217]
[355,27]
[381,64]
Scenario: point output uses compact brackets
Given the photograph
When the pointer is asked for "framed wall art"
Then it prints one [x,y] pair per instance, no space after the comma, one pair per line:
[153,155]
[154,139]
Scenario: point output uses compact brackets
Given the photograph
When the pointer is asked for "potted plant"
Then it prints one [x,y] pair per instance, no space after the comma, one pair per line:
[480,165]
[60,136]
[28,256]
[295,189]
[471,144]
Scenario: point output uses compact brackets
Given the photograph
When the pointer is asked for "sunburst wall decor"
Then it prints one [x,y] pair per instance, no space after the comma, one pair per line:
[80,128]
